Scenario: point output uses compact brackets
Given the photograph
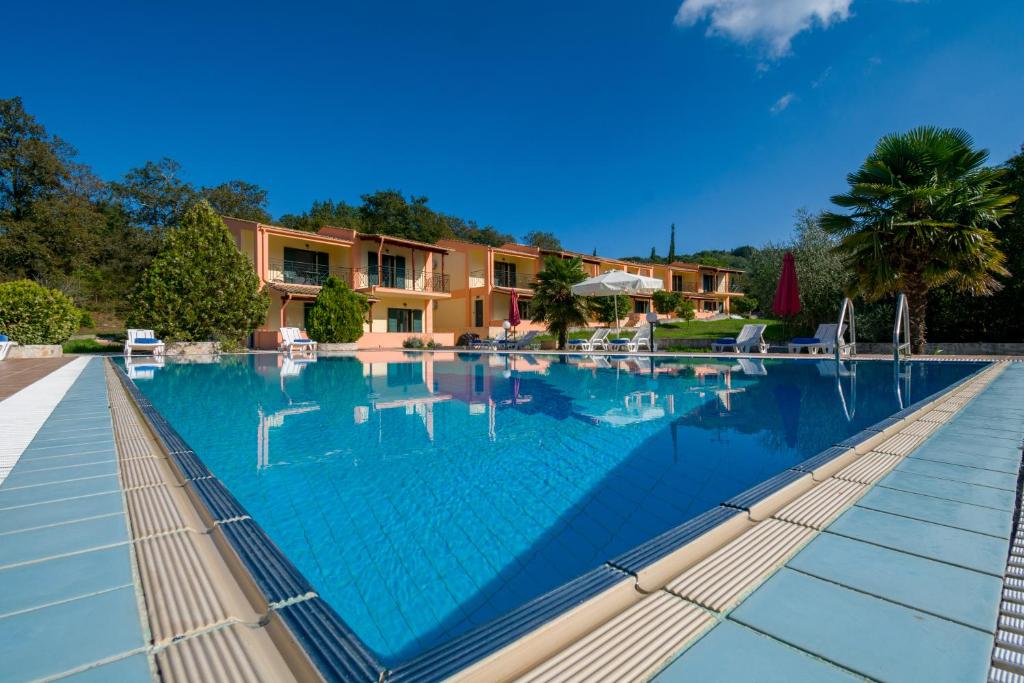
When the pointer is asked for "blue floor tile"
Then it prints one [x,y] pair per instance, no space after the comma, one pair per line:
[969,475]
[974,518]
[78,458]
[950,592]
[865,634]
[20,477]
[26,546]
[50,492]
[133,669]
[987,496]
[32,516]
[41,583]
[985,462]
[945,544]
[735,653]
[56,639]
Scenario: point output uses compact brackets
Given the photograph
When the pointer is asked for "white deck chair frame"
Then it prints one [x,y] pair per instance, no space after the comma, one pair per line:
[291,340]
[749,340]
[131,342]
[826,336]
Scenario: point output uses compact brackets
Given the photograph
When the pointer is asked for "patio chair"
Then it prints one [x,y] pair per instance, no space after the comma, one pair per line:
[492,343]
[5,345]
[143,340]
[749,340]
[523,342]
[824,340]
[642,337]
[292,338]
[597,340]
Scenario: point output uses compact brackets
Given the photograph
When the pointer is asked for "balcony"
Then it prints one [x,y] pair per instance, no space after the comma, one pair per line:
[508,280]
[405,279]
[301,273]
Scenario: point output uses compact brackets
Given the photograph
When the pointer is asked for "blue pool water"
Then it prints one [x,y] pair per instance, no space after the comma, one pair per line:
[425,494]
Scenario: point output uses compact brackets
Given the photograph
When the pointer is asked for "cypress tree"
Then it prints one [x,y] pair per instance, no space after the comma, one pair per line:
[672,245]
[337,315]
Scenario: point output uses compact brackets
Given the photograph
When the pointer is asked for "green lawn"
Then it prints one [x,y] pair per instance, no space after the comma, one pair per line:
[88,346]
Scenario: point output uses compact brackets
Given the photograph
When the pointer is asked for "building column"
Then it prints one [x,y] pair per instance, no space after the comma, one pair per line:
[284,314]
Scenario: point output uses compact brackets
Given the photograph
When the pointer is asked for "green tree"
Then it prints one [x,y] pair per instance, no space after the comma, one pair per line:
[654,256]
[33,314]
[338,314]
[686,310]
[33,163]
[743,305]
[199,286]
[153,195]
[553,302]
[238,199]
[666,302]
[820,272]
[387,212]
[542,240]
[921,211]
[995,318]
[336,214]
[672,245]
[609,309]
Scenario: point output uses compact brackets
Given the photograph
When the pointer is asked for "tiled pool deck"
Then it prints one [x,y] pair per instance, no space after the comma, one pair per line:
[906,584]
[69,604]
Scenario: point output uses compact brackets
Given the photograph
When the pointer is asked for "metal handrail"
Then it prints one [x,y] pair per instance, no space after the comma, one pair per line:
[302,273]
[901,324]
[839,347]
[394,277]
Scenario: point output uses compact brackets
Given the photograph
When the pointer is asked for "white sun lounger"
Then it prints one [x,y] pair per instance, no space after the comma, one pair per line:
[143,340]
[291,339]
[523,342]
[5,345]
[492,343]
[598,340]
[642,337]
[824,340]
[750,340]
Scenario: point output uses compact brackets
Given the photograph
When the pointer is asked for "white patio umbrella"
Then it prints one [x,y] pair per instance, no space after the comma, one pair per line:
[616,282]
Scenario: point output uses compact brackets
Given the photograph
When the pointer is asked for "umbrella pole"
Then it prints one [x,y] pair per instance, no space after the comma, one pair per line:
[616,302]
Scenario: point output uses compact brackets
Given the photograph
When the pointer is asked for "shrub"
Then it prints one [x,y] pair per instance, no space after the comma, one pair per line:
[33,314]
[199,287]
[604,307]
[86,320]
[412,343]
[667,302]
[431,344]
[744,305]
[337,316]
[686,310]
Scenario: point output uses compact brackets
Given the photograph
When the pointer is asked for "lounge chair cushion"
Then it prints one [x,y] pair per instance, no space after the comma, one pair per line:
[726,340]
[805,340]
[620,341]
[3,338]
[302,341]
[145,340]
[577,341]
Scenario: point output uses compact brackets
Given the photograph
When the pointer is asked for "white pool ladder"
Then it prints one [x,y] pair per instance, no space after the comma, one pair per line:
[845,311]
[901,324]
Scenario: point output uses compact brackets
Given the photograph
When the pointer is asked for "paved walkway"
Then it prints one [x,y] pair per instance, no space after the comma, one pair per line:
[69,605]
[906,585]
[18,373]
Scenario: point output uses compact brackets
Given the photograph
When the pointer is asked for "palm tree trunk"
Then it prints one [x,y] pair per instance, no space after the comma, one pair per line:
[917,302]
[563,339]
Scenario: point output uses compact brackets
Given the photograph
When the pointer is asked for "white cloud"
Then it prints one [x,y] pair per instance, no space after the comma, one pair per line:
[781,103]
[773,22]
[820,80]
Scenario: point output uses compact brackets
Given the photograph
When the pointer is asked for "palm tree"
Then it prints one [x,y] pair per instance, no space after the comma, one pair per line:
[553,301]
[920,211]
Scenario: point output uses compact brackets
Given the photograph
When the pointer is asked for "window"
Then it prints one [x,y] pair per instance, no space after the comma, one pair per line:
[305,267]
[524,309]
[641,306]
[709,306]
[709,283]
[504,274]
[404,320]
[677,283]
[478,313]
[392,270]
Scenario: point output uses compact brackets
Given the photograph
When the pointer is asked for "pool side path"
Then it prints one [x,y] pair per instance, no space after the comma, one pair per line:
[70,606]
[904,584]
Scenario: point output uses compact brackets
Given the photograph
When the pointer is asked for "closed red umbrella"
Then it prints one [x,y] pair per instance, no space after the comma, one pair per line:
[787,294]
[513,310]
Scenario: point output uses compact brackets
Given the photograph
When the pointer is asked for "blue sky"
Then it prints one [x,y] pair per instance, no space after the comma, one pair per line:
[602,121]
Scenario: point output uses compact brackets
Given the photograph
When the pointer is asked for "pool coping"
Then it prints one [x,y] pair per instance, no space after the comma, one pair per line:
[529,633]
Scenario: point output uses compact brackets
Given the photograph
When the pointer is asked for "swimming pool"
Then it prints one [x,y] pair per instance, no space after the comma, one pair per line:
[426,494]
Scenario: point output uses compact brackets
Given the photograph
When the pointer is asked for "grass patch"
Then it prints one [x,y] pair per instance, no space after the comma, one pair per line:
[87,346]
[714,329]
